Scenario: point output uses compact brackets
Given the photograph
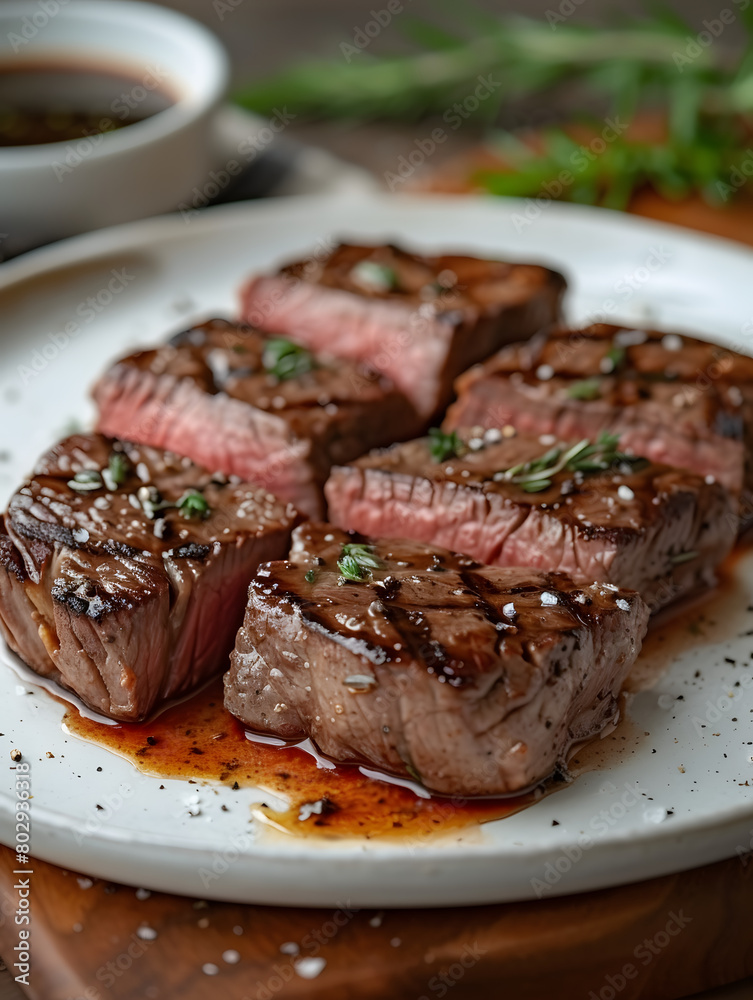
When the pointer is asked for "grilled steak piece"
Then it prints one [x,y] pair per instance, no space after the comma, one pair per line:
[473,679]
[674,399]
[420,320]
[265,410]
[597,515]
[124,571]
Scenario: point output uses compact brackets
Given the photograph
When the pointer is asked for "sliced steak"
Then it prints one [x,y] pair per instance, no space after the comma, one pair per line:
[472,679]
[124,571]
[600,517]
[420,320]
[265,410]
[671,398]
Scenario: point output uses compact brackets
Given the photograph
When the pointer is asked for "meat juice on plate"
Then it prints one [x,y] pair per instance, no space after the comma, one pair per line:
[199,740]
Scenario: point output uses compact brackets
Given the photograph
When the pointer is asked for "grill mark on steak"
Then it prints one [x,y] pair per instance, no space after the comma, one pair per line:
[191,551]
[627,526]
[678,400]
[433,318]
[94,602]
[415,630]
[93,595]
[425,683]
[207,394]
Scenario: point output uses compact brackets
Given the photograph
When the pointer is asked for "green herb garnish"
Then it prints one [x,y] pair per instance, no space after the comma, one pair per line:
[613,359]
[537,486]
[589,388]
[443,446]
[682,557]
[374,277]
[117,470]
[351,569]
[310,576]
[584,457]
[193,505]
[357,561]
[284,359]
[86,480]
[414,773]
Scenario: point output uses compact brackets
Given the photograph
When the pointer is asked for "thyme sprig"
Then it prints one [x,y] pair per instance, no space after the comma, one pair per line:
[585,457]
[443,446]
[683,557]
[586,389]
[357,560]
[284,359]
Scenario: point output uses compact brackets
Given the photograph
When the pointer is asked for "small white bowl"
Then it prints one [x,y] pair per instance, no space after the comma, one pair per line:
[59,189]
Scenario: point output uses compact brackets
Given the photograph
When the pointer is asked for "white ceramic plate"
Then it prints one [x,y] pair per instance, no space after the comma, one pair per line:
[676,797]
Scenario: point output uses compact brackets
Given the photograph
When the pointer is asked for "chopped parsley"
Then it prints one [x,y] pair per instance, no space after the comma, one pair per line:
[374,277]
[283,359]
[357,561]
[193,505]
[443,446]
[117,471]
[310,575]
[612,360]
[589,388]
[584,457]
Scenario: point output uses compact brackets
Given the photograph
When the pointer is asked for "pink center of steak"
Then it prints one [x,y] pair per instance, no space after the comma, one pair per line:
[134,585]
[676,400]
[420,320]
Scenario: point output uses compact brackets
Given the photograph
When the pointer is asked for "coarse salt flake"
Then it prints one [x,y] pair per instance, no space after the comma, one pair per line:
[309,968]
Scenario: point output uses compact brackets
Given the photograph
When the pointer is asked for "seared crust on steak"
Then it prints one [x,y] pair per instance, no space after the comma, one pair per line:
[424,323]
[675,399]
[473,679]
[111,589]
[654,529]
[206,394]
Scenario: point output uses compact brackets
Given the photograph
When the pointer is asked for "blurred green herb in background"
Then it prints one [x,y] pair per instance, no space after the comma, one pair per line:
[656,62]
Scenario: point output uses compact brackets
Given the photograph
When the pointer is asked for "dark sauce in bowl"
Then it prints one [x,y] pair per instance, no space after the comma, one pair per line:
[42,103]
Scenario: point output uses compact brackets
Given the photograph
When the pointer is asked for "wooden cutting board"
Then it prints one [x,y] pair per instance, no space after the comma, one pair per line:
[666,938]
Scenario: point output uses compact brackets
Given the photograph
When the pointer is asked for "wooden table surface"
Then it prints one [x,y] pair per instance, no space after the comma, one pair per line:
[666,938]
